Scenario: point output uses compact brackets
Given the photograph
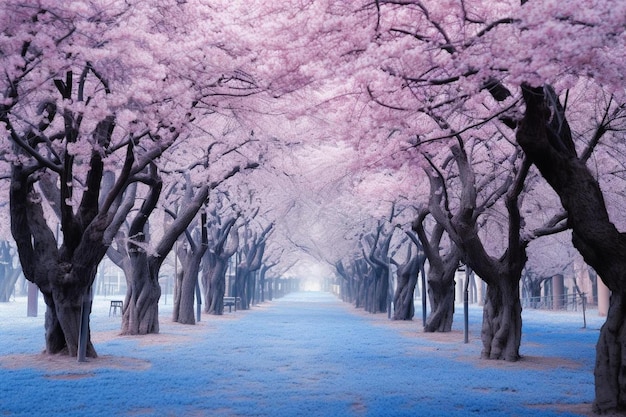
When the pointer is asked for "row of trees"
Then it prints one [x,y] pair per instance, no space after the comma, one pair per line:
[129,123]
[125,144]
[481,102]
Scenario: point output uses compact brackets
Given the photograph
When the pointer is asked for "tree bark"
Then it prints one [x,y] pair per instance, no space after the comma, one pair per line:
[377,280]
[251,260]
[64,275]
[407,274]
[223,244]
[240,288]
[501,334]
[214,281]
[184,304]
[502,320]
[404,308]
[441,296]
[440,275]
[184,312]
[8,273]
[546,139]
[609,372]
[141,306]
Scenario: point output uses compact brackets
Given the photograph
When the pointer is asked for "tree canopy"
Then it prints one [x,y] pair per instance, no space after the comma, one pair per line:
[341,132]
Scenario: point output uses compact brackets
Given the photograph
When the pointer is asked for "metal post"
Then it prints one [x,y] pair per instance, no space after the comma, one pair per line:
[198,301]
[468,273]
[84,326]
[389,290]
[584,303]
[423,295]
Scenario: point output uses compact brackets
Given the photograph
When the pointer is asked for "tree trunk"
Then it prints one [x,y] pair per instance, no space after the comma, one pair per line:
[8,273]
[224,242]
[251,289]
[63,319]
[178,285]
[545,136]
[440,275]
[358,293]
[502,320]
[382,291]
[64,275]
[441,292]
[241,286]
[368,294]
[610,372]
[214,281]
[141,307]
[185,313]
[270,288]
[186,282]
[533,287]
[441,296]
[404,308]
[263,282]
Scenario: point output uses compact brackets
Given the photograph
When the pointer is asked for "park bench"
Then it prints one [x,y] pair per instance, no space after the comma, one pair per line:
[231,302]
[115,304]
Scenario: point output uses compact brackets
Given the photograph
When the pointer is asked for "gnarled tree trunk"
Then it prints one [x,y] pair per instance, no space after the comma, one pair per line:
[501,332]
[377,280]
[440,275]
[441,296]
[215,262]
[404,308]
[87,206]
[64,275]
[545,136]
[251,260]
[184,312]
[141,307]
[214,281]
[184,304]
[502,321]
[407,273]
[140,313]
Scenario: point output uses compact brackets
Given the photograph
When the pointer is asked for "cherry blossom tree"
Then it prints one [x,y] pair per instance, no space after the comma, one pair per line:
[390,89]
[443,261]
[192,253]
[407,275]
[252,248]
[375,274]
[441,56]
[84,107]
[548,142]
[68,115]
[223,243]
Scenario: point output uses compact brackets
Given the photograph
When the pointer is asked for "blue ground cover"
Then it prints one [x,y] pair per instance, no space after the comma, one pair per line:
[307,354]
